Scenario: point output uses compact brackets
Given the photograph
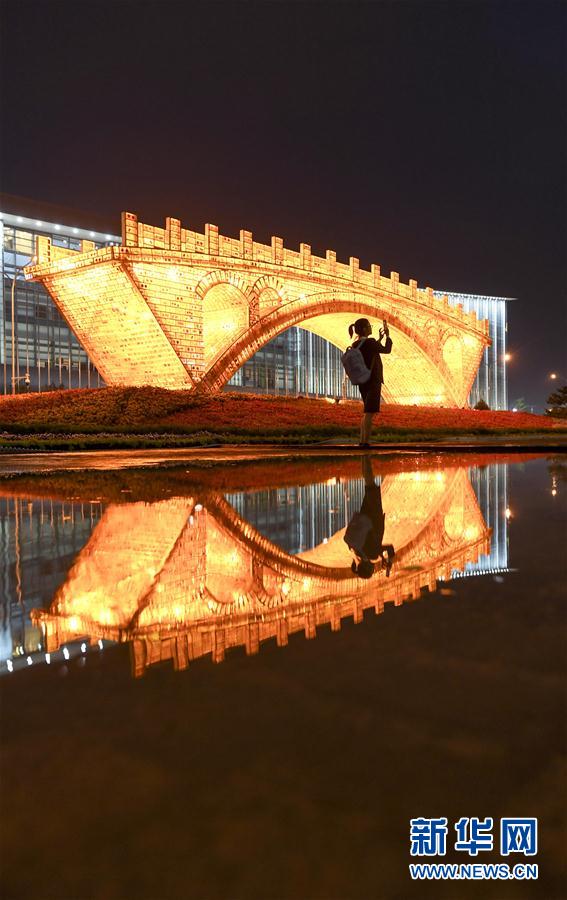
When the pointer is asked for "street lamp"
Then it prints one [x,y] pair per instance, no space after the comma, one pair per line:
[507,357]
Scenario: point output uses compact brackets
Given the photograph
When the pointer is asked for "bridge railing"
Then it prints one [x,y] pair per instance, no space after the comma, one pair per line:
[210,243]
[175,237]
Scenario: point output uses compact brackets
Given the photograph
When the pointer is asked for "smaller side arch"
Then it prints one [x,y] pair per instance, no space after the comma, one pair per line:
[268,291]
[219,276]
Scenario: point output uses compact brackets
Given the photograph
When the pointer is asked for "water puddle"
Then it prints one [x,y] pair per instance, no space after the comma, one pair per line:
[182,564]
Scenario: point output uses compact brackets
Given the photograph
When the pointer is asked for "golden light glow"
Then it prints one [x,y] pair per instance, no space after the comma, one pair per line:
[179,309]
[180,590]
[225,317]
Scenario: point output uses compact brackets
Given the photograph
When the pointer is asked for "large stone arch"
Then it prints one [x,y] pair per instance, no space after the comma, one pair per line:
[328,314]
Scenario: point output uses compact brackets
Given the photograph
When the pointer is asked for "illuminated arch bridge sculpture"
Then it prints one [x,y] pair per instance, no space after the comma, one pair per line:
[177,309]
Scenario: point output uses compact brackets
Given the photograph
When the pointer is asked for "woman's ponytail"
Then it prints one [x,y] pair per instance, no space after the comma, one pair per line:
[351,330]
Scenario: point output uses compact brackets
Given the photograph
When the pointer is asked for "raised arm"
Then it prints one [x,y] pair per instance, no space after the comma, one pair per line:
[386,347]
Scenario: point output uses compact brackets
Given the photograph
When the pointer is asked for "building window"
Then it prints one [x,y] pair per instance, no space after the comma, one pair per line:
[24,242]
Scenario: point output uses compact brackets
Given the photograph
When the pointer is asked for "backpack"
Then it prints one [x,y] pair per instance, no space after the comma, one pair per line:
[357,532]
[353,363]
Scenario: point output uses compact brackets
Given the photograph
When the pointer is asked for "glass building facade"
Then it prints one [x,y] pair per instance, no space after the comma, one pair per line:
[490,382]
[302,517]
[295,362]
[38,350]
[39,539]
[47,355]
[490,484]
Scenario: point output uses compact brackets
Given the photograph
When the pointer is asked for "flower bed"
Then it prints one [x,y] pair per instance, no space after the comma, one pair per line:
[94,408]
[269,413]
[143,410]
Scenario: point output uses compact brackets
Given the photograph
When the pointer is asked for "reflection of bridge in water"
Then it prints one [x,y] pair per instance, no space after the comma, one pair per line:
[189,576]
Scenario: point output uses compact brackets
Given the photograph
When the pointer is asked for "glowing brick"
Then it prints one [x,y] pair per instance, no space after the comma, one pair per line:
[179,309]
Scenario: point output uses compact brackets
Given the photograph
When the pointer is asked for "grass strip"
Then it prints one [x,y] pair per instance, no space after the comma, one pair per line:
[120,441]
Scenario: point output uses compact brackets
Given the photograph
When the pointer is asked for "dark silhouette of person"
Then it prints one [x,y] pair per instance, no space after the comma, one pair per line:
[364,534]
[371,390]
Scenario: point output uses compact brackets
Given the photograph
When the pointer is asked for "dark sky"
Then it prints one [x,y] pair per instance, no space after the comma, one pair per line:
[428,137]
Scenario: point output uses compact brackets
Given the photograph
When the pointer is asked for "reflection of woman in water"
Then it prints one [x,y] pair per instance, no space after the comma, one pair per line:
[365,531]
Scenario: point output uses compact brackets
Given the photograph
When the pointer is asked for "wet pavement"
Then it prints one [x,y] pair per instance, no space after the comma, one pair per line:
[202,698]
[52,461]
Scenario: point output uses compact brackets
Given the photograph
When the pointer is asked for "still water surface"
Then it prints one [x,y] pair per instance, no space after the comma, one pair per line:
[291,770]
[194,569]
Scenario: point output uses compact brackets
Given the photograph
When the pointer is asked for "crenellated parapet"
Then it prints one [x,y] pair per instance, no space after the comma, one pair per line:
[212,243]
[203,303]
[173,237]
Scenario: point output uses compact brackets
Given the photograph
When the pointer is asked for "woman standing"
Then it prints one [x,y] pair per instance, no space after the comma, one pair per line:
[371,389]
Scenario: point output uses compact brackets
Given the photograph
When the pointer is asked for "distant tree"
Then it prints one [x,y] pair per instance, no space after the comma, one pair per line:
[482,404]
[557,402]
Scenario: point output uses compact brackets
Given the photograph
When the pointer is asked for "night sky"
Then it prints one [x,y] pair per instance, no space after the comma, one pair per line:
[427,137]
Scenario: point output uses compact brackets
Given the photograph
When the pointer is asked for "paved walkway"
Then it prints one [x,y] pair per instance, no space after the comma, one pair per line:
[39,462]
